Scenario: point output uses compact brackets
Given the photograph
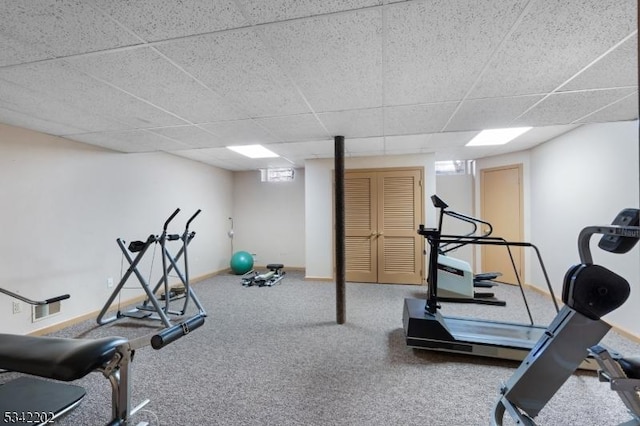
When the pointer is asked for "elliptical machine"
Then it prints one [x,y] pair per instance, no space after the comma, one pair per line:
[589,292]
[456,281]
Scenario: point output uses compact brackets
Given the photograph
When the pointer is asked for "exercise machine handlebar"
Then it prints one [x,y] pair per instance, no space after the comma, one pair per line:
[192,217]
[630,233]
[619,237]
[166,224]
[473,221]
[171,334]
[34,302]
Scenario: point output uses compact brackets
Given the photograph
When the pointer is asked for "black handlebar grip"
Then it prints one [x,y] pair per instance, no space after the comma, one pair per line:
[171,334]
[57,299]
[171,218]
[192,217]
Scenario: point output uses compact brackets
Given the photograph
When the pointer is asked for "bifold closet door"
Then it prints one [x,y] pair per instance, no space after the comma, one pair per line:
[383,210]
[399,215]
[361,226]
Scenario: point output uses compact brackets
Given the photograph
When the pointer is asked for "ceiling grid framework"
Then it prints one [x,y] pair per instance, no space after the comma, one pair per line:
[393,77]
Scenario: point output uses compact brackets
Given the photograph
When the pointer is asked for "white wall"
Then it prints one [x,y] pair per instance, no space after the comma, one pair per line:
[65,203]
[581,178]
[319,231]
[584,178]
[269,218]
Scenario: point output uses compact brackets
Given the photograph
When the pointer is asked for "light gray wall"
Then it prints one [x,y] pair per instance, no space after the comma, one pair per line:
[269,218]
[65,203]
[584,178]
[319,228]
[581,178]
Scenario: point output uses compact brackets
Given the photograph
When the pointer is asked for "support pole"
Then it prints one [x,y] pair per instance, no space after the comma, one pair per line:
[340,230]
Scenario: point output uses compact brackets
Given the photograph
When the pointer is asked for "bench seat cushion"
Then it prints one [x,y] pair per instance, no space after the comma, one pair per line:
[55,357]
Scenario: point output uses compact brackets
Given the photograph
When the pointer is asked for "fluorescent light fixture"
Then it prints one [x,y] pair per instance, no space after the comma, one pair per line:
[253,151]
[497,136]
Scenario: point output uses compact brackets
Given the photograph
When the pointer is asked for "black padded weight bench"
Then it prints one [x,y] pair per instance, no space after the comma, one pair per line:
[28,400]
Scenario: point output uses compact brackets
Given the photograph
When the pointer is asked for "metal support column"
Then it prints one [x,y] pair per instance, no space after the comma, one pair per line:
[340,230]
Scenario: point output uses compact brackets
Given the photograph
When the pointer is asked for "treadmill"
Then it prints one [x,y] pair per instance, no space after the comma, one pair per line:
[426,328]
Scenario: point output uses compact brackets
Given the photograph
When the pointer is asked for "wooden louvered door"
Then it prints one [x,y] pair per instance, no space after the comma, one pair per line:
[383,210]
[399,215]
[361,226]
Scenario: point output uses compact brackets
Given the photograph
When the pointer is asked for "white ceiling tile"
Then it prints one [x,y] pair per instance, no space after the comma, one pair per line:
[224,164]
[159,20]
[450,139]
[528,140]
[451,146]
[190,136]
[130,141]
[555,40]
[260,11]
[536,136]
[434,50]
[617,69]
[60,80]
[566,107]
[60,27]
[32,103]
[218,153]
[406,143]
[241,132]
[237,65]
[413,119]
[211,156]
[358,123]
[364,146]
[490,113]
[293,128]
[312,149]
[623,110]
[295,70]
[16,52]
[256,163]
[146,74]
[20,119]
[335,60]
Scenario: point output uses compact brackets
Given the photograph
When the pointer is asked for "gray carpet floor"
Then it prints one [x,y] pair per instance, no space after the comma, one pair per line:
[275,356]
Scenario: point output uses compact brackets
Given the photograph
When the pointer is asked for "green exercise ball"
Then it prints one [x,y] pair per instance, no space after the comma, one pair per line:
[241,262]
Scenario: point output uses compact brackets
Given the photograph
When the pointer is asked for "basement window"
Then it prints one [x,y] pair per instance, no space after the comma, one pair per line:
[277,175]
[455,167]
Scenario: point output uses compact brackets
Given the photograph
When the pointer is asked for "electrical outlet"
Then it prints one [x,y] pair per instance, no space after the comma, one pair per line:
[17,308]
[109,282]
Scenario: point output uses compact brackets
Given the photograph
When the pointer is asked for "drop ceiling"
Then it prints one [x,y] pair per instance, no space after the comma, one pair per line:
[393,77]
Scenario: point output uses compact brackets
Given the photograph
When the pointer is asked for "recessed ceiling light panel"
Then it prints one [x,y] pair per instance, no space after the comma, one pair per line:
[497,136]
[253,151]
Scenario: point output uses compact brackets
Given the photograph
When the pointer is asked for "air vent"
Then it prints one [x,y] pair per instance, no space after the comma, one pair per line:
[42,311]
